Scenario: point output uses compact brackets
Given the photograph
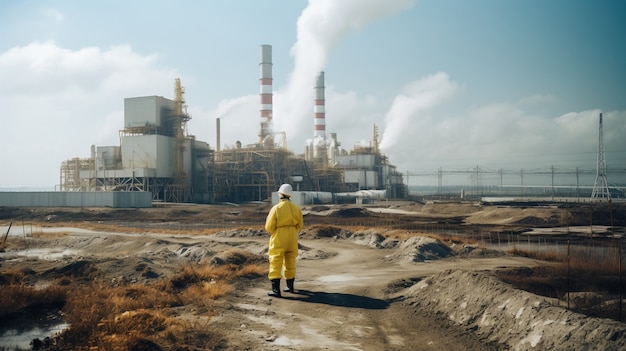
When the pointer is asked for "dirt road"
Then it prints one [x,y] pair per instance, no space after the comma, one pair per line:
[344,303]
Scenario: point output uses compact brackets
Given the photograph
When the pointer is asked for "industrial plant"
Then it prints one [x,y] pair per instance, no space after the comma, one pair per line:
[157,154]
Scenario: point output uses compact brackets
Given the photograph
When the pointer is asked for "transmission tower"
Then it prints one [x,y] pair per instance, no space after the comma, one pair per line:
[601,186]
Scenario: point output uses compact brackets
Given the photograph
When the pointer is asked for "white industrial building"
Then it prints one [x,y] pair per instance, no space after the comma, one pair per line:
[155,154]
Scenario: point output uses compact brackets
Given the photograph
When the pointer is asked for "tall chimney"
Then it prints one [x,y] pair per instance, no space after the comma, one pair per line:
[265,82]
[319,109]
[319,121]
[217,134]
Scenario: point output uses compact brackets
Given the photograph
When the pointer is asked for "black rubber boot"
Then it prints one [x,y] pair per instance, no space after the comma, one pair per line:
[289,287]
[275,288]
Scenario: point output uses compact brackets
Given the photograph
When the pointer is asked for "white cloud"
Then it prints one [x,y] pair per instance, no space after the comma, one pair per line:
[501,135]
[58,102]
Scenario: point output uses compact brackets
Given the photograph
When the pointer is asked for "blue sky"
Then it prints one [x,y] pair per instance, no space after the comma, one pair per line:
[453,84]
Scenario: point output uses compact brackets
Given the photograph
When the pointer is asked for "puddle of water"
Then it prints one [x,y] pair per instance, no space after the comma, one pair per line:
[21,339]
[20,331]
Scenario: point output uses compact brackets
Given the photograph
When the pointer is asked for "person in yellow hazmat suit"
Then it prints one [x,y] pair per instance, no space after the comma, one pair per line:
[284,222]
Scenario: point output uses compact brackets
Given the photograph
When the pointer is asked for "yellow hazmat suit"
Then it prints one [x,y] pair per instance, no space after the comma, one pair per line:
[283,222]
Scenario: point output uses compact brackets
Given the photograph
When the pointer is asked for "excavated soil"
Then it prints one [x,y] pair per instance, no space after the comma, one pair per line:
[369,277]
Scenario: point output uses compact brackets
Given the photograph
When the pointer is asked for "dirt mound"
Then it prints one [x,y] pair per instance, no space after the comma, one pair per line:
[421,248]
[314,232]
[349,212]
[521,216]
[520,320]
[81,268]
[194,253]
[237,257]
[369,239]
[319,208]
[413,249]
[452,208]
[242,233]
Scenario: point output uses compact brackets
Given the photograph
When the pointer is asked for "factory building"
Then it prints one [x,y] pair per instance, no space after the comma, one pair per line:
[157,154]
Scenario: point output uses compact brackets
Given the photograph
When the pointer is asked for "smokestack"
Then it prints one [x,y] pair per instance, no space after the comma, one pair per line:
[217,134]
[266,92]
[319,121]
[319,109]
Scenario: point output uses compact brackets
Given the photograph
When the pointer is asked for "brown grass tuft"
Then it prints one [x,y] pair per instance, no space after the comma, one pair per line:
[206,290]
[252,271]
[16,298]
[549,256]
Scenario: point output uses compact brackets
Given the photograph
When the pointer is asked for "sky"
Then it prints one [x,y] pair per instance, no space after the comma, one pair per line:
[454,85]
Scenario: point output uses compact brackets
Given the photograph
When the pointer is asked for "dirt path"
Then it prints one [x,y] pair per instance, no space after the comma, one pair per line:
[343,303]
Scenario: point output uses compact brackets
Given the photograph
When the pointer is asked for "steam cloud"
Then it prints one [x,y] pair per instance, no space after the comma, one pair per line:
[418,96]
[320,27]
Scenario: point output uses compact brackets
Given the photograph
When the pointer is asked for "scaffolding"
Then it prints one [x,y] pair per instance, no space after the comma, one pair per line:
[252,174]
[249,174]
[70,179]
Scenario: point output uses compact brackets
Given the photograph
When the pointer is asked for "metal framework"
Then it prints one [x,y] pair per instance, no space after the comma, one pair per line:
[252,174]
[601,186]
[70,174]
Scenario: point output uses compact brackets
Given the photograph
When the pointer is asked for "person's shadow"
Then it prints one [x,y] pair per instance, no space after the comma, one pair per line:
[337,299]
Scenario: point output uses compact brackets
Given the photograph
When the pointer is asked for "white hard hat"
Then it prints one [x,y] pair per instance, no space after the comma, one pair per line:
[285,190]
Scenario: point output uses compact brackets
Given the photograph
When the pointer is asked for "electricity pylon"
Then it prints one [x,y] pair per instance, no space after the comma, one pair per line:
[601,186]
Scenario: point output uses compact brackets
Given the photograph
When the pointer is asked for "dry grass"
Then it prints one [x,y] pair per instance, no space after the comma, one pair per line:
[17,298]
[549,256]
[454,239]
[134,316]
[591,272]
[252,271]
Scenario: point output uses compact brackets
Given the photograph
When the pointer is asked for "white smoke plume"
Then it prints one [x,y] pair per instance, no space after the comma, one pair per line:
[418,96]
[322,24]
[235,106]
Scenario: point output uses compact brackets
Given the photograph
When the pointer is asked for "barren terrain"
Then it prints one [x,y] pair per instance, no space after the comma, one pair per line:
[369,277]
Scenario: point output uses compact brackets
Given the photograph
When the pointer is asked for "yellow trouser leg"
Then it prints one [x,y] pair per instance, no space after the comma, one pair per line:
[290,264]
[276,258]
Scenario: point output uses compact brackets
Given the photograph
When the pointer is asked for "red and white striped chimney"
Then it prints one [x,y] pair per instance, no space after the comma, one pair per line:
[319,109]
[266,93]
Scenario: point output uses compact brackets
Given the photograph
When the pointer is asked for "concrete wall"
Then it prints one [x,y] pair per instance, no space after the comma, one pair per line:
[127,199]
